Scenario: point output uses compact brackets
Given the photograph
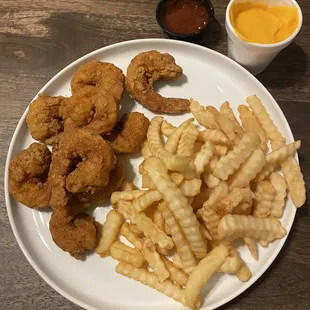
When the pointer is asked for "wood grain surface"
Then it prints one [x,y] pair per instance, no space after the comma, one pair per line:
[39,37]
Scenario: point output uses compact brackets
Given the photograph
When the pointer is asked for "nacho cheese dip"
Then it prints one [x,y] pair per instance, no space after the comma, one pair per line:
[256,22]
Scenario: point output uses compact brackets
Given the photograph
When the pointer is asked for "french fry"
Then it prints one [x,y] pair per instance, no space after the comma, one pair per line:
[190,188]
[224,123]
[264,119]
[232,264]
[120,245]
[145,224]
[172,143]
[278,202]
[171,161]
[232,227]
[126,254]
[183,247]
[125,195]
[248,170]
[176,275]
[217,194]
[283,152]
[295,181]
[136,230]
[210,217]
[147,182]
[212,163]
[178,204]
[154,260]
[145,150]
[244,274]
[190,200]
[199,213]
[251,125]
[205,232]
[163,251]
[244,208]
[237,196]
[216,136]
[167,129]
[266,171]
[203,157]
[226,109]
[210,180]
[176,261]
[190,171]
[159,220]
[221,149]
[229,163]
[127,186]
[202,116]
[109,233]
[147,199]
[265,194]
[168,288]
[203,272]
[177,178]
[211,220]
[187,142]
[131,236]
[252,246]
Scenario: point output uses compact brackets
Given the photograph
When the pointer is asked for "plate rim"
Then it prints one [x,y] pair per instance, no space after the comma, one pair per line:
[23,248]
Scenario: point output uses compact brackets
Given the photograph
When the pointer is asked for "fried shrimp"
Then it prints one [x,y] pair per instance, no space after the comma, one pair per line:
[102,74]
[143,71]
[81,162]
[72,230]
[129,134]
[115,181]
[44,118]
[28,173]
[94,109]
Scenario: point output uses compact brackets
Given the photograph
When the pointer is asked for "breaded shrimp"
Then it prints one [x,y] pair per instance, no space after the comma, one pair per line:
[94,109]
[129,134]
[101,74]
[81,162]
[143,71]
[72,230]
[115,181]
[28,173]
[44,118]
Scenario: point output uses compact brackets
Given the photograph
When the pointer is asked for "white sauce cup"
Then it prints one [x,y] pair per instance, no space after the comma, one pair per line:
[253,56]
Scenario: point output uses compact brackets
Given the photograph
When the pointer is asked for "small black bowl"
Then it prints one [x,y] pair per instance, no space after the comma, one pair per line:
[188,36]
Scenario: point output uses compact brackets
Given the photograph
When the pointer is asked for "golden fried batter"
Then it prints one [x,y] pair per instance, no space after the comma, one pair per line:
[44,118]
[72,230]
[28,173]
[102,74]
[94,109]
[81,162]
[143,71]
[129,134]
[115,181]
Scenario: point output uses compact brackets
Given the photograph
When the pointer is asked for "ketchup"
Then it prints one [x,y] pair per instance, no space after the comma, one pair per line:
[184,16]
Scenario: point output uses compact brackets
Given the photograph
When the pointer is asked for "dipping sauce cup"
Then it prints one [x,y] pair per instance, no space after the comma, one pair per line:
[184,19]
[252,51]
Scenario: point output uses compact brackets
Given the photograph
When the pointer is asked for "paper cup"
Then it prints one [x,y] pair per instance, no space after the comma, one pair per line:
[256,57]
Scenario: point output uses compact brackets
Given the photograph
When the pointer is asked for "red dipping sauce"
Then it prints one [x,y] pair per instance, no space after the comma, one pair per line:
[184,16]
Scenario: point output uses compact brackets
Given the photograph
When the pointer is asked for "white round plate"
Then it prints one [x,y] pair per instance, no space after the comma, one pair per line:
[210,78]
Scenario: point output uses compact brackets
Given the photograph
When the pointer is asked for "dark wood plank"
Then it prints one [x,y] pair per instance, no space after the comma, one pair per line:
[38,38]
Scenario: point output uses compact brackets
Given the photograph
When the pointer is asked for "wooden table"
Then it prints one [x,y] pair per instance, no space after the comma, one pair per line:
[38,38]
